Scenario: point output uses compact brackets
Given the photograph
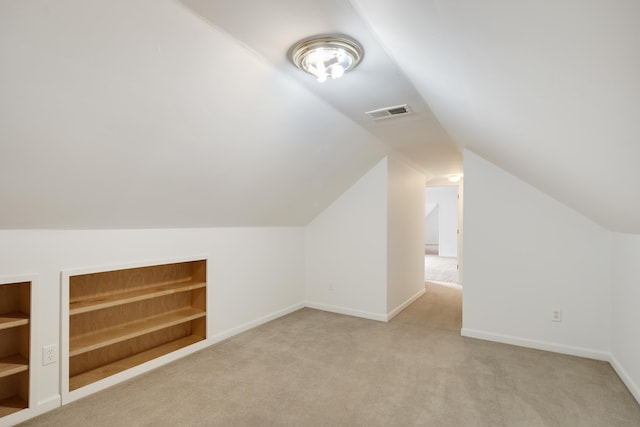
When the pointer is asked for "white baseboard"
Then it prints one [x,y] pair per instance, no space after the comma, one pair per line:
[538,345]
[49,403]
[347,311]
[252,324]
[365,314]
[114,379]
[69,396]
[405,304]
[625,377]
[634,388]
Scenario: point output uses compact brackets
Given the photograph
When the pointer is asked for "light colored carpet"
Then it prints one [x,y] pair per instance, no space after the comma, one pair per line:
[440,269]
[313,368]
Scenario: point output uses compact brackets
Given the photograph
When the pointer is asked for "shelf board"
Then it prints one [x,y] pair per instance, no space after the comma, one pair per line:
[113,368]
[85,305]
[12,320]
[12,404]
[13,365]
[103,338]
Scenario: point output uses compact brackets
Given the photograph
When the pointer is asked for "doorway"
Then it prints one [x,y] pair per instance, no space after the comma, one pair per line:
[441,235]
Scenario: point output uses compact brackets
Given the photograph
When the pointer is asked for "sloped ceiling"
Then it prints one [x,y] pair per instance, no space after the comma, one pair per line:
[270,28]
[140,114]
[549,91]
[186,114]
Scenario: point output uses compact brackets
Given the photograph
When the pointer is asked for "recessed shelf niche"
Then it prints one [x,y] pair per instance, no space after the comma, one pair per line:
[15,342]
[121,318]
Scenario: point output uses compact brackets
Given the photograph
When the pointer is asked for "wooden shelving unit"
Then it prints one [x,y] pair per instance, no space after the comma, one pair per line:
[119,319]
[15,334]
[84,305]
[109,369]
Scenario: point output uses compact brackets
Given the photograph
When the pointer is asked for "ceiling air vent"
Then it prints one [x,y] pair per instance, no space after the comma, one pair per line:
[385,113]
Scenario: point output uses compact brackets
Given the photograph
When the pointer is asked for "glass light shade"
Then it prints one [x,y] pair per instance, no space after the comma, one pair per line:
[326,56]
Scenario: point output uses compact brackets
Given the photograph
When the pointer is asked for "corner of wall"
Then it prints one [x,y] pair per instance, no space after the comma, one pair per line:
[405,235]
[625,271]
[627,379]
[345,250]
[525,255]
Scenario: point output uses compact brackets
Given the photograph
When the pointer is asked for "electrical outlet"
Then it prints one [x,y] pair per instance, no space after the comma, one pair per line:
[331,286]
[556,315]
[49,354]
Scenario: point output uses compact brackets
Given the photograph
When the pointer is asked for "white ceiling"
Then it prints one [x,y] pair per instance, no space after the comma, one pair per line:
[186,114]
[270,28]
[549,91]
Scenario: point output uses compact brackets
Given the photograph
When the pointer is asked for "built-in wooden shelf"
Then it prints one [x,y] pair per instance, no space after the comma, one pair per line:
[12,404]
[106,337]
[13,365]
[84,305]
[12,320]
[15,343]
[122,365]
[122,318]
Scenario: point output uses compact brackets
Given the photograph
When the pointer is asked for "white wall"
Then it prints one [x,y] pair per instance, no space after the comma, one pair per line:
[549,90]
[460,233]
[346,250]
[432,226]
[625,345]
[253,273]
[145,109]
[365,253]
[525,255]
[447,199]
[405,246]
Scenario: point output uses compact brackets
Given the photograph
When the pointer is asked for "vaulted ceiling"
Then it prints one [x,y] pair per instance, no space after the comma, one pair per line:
[188,113]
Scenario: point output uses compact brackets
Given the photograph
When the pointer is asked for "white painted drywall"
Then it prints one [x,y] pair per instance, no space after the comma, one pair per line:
[447,200]
[405,245]
[134,112]
[547,90]
[432,225]
[252,272]
[625,345]
[346,250]
[460,232]
[527,254]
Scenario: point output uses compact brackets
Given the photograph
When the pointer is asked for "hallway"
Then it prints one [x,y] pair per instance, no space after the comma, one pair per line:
[439,269]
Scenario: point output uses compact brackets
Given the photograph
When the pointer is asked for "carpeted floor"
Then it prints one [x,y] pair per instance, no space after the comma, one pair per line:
[313,368]
[440,269]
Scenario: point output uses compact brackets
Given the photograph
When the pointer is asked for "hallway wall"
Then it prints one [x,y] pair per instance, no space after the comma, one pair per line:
[447,200]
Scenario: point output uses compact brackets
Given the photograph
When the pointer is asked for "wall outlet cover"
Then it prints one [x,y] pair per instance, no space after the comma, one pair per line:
[49,354]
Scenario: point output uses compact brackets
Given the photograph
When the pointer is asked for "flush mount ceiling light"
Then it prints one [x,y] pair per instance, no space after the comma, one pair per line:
[455,178]
[324,56]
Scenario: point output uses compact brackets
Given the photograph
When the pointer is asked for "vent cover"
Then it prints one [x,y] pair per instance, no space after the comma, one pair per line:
[385,113]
